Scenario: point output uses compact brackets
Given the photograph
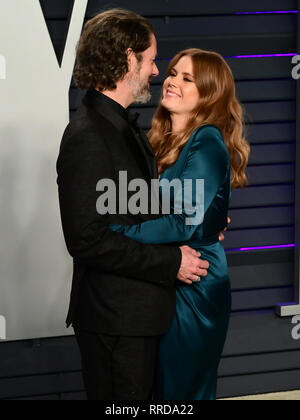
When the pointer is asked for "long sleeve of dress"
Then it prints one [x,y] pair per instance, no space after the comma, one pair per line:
[207,160]
[83,160]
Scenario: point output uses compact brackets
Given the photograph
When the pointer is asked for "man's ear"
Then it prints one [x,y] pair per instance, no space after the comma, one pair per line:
[130,59]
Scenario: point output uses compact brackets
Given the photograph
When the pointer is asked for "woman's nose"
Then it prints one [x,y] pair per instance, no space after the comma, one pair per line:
[172,83]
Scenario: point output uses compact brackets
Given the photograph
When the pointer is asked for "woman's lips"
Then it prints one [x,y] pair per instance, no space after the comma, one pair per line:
[172,94]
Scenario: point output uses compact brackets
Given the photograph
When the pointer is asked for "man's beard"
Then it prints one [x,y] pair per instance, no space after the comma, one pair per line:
[140,88]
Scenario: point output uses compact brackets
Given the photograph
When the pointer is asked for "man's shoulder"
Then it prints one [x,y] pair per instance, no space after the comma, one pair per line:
[85,122]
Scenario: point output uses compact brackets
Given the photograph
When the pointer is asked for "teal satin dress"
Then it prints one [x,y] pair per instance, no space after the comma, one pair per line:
[190,353]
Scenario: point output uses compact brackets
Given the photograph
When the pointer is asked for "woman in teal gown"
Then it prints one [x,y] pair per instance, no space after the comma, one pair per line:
[189,354]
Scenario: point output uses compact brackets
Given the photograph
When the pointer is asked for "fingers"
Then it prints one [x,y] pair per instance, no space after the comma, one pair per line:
[202,273]
[203,264]
[190,280]
[202,268]
[195,279]
[192,251]
[199,272]
[192,268]
[196,253]
[221,236]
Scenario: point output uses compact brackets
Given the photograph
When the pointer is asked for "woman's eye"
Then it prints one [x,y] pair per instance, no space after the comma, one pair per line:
[187,80]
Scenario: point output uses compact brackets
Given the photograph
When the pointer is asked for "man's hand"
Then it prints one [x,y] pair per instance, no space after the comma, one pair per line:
[192,268]
[221,236]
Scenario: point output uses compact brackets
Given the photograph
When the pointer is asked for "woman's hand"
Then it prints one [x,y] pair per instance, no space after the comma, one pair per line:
[221,236]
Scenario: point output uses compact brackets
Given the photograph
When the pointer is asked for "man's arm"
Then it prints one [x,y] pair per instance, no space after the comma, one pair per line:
[83,161]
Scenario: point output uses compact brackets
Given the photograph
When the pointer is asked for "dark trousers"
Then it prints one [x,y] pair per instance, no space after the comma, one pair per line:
[117,368]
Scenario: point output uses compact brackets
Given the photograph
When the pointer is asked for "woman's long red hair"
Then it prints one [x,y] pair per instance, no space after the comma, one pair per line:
[218,106]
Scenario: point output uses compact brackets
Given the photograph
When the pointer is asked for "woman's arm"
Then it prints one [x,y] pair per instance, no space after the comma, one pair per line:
[83,160]
[208,161]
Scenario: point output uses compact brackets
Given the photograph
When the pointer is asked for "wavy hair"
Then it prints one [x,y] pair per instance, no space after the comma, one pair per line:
[101,51]
[218,106]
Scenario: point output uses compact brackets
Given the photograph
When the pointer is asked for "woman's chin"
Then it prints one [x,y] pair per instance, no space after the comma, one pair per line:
[167,105]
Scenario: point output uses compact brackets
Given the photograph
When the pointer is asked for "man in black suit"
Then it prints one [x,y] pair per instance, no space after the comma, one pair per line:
[123,292]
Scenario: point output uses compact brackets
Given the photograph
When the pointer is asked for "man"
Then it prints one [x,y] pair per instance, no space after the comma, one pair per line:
[123,293]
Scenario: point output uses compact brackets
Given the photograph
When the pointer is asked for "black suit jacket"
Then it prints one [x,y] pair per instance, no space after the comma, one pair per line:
[120,286]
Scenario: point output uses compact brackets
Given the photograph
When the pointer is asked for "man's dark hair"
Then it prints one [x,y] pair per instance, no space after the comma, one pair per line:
[101,51]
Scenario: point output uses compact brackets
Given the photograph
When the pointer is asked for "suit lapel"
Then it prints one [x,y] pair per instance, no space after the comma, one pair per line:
[152,161]
[137,141]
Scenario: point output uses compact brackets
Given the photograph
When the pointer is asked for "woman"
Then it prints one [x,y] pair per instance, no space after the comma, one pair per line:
[197,133]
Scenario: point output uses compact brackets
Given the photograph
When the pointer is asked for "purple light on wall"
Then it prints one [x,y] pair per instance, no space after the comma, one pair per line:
[249,56]
[262,55]
[268,12]
[262,247]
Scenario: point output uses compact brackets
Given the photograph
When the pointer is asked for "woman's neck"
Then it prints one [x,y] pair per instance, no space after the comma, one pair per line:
[179,122]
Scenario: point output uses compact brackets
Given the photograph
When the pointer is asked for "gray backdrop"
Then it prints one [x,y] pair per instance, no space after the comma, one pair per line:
[35,269]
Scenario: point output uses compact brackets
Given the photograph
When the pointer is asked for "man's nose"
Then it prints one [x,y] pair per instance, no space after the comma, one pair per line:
[155,71]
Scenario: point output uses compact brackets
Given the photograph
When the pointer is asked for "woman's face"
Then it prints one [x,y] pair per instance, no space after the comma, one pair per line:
[180,93]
